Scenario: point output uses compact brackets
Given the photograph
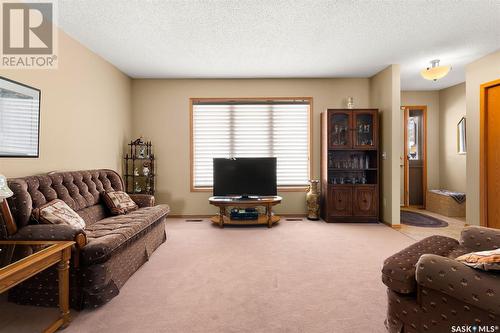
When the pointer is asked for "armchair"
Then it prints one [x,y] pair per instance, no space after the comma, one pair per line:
[429,291]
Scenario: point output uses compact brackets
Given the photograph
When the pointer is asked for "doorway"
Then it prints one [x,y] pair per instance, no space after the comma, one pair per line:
[490,154]
[415,156]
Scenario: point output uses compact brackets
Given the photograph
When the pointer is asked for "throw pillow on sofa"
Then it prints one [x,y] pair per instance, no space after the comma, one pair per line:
[58,212]
[119,202]
[485,260]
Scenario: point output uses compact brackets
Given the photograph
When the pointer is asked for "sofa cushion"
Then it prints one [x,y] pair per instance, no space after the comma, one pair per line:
[398,272]
[58,212]
[94,213]
[119,202]
[485,260]
[109,234]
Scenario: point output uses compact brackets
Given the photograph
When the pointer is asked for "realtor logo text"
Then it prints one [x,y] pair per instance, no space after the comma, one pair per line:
[28,35]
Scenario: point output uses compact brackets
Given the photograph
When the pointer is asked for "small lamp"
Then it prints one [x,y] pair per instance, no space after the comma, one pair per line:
[5,191]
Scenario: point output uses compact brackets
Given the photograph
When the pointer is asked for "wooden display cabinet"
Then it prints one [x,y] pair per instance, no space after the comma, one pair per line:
[350,165]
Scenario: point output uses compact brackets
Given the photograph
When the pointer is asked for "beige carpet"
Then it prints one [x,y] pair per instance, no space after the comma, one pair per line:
[296,277]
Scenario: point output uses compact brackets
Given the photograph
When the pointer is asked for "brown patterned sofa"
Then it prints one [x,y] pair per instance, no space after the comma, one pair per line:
[108,251]
[428,291]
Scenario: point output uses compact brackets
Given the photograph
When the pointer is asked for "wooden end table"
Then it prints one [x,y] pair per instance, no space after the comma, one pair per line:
[265,219]
[46,254]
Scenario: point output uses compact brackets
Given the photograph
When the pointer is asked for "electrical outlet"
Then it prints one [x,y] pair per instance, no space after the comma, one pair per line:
[384,155]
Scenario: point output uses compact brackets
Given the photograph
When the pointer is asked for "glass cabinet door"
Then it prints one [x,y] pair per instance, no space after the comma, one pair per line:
[340,130]
[364,129]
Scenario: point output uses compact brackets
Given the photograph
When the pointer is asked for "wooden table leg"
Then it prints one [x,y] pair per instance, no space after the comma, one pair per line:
[269,216]
[63,270]
[222,212]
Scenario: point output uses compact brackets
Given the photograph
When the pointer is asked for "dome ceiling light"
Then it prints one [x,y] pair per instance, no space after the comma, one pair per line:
[435,72]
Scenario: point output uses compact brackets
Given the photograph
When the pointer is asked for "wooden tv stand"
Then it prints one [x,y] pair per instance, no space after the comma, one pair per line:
[265,219]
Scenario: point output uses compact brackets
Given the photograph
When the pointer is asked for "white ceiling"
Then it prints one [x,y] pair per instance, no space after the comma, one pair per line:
[285,39]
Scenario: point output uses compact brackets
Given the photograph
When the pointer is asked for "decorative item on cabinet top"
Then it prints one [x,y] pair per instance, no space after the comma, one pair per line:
[350,102]
[140,175]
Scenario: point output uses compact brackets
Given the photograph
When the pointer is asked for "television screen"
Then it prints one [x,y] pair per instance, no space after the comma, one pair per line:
[255,176]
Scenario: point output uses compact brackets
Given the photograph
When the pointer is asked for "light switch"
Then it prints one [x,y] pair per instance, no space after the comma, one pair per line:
[384,155]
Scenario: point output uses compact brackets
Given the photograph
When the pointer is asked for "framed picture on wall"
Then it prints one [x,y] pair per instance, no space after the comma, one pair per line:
[19,119]
[461,137]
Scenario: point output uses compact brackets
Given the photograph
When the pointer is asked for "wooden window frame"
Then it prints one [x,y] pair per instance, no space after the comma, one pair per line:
[193,100]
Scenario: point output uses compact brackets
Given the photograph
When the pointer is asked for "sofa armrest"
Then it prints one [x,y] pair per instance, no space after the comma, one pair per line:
[480,238]
[51,232]
[398,272]
[143,200]
[469,285]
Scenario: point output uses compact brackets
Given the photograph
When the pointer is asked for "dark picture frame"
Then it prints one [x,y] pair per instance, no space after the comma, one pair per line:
[12,92]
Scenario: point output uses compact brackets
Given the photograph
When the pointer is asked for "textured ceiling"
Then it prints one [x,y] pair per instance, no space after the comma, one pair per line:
[285,39]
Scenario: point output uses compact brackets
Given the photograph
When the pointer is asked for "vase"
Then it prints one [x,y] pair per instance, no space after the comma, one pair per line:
[312,200]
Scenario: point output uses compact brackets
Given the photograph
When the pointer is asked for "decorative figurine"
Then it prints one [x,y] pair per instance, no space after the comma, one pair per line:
[137,188]
[136,172]
[350,102]
[142,152]
[139,141]
[145,169]
[312,200]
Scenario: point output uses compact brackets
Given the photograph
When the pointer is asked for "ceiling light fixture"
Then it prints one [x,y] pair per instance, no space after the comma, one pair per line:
[435,72]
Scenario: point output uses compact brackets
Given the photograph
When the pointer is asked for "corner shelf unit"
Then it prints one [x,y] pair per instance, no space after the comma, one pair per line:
[140,175]
[350,170]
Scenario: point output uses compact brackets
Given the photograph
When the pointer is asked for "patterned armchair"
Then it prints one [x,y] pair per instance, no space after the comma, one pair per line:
[429,291]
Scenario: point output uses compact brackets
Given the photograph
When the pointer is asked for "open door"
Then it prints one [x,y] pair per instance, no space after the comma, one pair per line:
[490,155]
[415,153]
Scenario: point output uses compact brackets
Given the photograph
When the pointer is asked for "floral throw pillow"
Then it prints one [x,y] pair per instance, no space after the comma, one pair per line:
[58,212]
[485,260]
[119,202]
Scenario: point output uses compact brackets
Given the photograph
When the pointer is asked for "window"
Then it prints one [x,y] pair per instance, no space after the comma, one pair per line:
[413,138]
[251,128]
[19,119]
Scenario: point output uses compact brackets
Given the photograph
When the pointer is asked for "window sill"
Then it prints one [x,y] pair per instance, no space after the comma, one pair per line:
[280,189]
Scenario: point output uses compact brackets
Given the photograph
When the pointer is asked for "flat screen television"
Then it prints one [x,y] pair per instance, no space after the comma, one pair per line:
[245,177]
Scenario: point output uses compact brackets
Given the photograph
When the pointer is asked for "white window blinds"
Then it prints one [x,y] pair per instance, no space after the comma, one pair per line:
[252,129]
[19,113]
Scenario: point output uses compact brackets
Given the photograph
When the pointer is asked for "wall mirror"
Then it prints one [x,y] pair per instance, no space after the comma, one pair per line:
[461,137]
[19,119]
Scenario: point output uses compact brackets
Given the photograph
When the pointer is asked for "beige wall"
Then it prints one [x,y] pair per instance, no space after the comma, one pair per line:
[431,100]
[385,94]
[85,113]
[452,166]
[161,114]
[481,71]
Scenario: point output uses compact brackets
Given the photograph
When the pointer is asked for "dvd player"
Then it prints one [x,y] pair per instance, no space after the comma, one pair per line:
[244,214]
